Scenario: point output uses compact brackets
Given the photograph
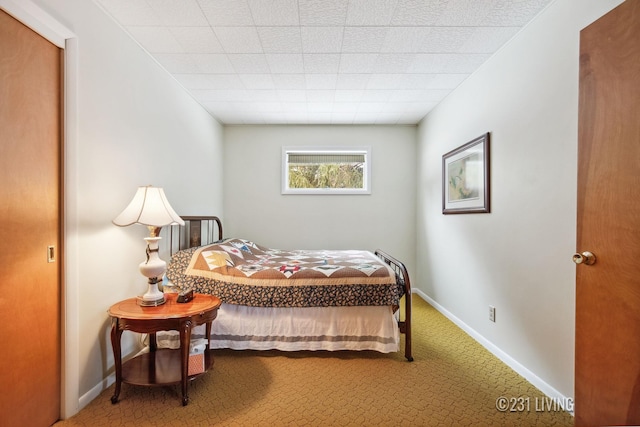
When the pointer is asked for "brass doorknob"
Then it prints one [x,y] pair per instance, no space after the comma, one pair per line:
[584,258]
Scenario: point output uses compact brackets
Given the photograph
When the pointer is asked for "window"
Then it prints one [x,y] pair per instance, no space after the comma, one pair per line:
[311,170]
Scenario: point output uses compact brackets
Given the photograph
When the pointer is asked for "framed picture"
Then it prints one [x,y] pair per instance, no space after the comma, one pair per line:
[465,178]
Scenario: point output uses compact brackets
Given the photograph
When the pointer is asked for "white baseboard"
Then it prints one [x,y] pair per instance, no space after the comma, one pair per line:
[95,391]
[556,398]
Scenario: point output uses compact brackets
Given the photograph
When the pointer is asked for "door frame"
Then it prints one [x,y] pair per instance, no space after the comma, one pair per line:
[52,30]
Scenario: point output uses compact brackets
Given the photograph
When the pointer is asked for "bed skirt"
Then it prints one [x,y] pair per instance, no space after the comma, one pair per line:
[298,328]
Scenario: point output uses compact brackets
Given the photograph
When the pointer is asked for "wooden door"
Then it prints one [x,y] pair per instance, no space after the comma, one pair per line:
[607,380]
[30,144]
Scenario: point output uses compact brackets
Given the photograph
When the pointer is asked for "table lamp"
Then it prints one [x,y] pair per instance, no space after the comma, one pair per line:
[150,207]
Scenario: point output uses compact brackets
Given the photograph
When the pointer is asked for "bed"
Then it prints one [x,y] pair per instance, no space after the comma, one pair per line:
[290,300]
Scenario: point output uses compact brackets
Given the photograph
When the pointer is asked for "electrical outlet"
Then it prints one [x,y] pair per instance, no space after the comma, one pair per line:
[492,313]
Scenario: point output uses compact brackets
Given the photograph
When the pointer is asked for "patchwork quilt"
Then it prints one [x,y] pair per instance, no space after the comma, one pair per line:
[242,272]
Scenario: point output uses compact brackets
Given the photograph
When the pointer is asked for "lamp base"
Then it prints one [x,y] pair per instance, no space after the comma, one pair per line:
[153,268]
[154,297]
[149,303]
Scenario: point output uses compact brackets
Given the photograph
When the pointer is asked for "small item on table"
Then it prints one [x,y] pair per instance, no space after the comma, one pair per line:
[185,295]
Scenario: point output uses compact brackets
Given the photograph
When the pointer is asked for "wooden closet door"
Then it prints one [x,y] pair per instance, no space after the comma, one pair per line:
[607,381]
[30,141]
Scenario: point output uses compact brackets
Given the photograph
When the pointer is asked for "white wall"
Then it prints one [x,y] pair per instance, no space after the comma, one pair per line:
[255,208]
[133,125]
[129,124]
[517,258]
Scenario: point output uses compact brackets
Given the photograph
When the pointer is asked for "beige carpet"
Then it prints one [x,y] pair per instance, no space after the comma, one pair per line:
[453,381]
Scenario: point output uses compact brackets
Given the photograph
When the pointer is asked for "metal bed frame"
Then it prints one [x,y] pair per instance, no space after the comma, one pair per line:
[204,230]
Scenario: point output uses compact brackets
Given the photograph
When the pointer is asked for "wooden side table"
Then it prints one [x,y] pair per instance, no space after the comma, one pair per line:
[160,366]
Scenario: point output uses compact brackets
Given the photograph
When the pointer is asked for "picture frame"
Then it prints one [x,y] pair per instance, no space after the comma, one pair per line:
[466,178]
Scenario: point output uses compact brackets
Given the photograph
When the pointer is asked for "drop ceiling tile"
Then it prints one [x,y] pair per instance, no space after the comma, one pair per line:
[274,12]
[319,107]
[371,107]
[226,13]
[322,12]
[352,81]
[393,63]
[345,118]
[272,117]
[358,63]
[156,39]
[197,39]
[317,63]
[321,81]
[131,12]
[179,12]
[363,39]
[430,81]
[247,63]
[446,63]
[239,39]
[434,95]
[345,107]
[285,63]
[388,119]
[363,117]
[257,81]
[514,12]
[310,61]
[412,118]
[414,81]
[280,39]
[296,117]
[225,81]
[391,107]
[418,12]
[292,95]
[487,39]
[383,81]
[289,81]
[409,95]
[426,39]
[215,63]
[404,39]
[322,39]
[320,96]
[465,12]
[376,95]
[415,107]
[320,118]
[261,95]
[348,95]
[370,12]
[264,107]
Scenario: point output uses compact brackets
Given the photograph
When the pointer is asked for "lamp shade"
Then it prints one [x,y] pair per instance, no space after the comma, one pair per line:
[149,207]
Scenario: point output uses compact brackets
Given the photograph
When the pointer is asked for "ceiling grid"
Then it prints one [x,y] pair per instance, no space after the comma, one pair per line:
[321,61]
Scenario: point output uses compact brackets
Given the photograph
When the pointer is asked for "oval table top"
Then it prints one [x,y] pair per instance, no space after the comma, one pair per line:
[130,309]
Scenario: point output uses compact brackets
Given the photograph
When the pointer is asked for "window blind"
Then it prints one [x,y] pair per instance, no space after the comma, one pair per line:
[310,158]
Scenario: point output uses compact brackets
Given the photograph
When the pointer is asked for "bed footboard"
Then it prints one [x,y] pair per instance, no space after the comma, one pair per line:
[403,276]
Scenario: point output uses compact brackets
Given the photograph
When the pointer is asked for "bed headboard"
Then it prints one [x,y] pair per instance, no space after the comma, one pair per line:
[197,231]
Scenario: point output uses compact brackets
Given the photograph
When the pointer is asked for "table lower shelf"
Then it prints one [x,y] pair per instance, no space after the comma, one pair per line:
[160,367]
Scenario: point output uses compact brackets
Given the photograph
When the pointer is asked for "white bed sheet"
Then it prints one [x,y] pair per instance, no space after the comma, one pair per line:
[295,329]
